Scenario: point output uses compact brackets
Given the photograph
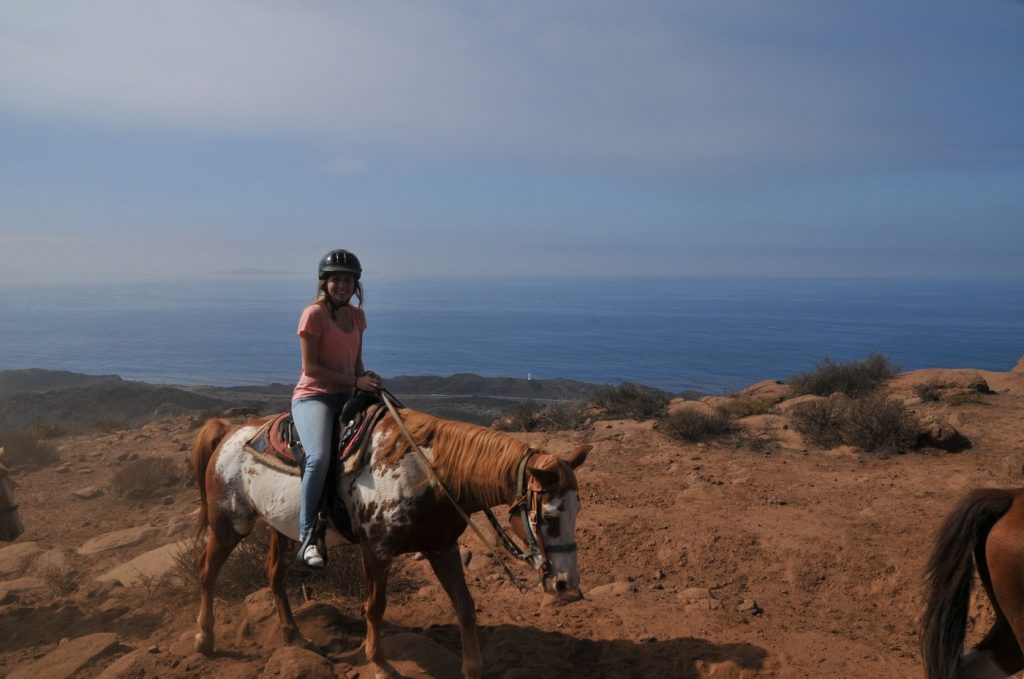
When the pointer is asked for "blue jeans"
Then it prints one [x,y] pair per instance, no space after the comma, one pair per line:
[314,420]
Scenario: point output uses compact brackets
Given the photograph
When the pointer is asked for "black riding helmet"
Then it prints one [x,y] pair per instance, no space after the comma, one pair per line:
[339,261]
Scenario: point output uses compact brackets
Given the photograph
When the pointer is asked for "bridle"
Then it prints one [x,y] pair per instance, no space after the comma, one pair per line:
[529,507]
[529,501]
[5,474]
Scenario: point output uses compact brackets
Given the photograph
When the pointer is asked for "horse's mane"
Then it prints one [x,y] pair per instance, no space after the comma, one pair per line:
[473,462]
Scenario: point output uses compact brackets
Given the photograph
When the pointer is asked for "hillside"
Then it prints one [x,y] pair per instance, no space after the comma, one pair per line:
[755,554]
[73,401]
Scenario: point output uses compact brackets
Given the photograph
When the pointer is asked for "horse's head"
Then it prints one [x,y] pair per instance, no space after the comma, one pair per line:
[10,522]
[553,503]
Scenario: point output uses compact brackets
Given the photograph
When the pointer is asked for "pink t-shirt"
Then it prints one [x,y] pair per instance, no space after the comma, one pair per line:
[339,350]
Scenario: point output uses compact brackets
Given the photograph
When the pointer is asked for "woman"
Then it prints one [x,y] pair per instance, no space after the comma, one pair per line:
[331,338]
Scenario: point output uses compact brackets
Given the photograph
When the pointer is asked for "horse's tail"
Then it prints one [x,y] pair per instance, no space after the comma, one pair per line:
[206,441]
[950,572]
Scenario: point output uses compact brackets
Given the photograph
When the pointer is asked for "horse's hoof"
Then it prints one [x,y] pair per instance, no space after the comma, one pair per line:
[203,644]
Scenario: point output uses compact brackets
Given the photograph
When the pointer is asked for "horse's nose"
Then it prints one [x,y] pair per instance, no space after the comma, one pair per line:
[561,585]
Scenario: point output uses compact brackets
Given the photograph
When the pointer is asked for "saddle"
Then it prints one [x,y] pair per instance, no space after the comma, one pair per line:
[277,444]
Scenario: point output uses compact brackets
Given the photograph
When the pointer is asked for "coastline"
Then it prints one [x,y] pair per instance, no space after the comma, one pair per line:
[66,400]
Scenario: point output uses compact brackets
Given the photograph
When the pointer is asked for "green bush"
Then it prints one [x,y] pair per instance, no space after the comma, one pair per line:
[24,450]
[874,423]
[693,425]
[629,401]
[855,378]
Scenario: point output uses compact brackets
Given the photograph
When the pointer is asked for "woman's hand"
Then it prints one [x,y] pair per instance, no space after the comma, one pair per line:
[369,381]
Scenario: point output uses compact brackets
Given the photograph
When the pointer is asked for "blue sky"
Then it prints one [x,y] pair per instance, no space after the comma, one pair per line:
[192,139]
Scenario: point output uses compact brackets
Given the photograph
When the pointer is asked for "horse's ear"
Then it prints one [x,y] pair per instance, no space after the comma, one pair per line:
[578,456]
[546,477]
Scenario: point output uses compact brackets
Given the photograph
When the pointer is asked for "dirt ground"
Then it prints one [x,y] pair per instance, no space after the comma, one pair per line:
[731,559]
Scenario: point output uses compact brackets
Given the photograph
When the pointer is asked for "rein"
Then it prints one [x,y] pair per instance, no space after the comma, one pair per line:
[525,494]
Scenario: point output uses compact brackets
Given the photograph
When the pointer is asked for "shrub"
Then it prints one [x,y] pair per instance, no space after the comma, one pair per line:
[144,478]
[556,416]
[874,423]
[245,570]
[629,401]
[855,378]
[693,425]
[23,449]
[928,391]
[821,421]
[522,416]
[561,416]
[878,423]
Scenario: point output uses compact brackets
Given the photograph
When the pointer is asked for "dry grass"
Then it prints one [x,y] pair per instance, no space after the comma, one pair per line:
[874,423]
[692,425]
[556,416]
[24,450]
[856,378]
[629,401]
[143,478]
[245,571]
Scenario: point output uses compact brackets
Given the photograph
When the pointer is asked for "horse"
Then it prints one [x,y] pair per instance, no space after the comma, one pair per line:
[10,522]
[984,533]
[397,505]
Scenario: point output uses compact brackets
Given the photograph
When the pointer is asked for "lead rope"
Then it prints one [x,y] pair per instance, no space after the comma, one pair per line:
[430,468]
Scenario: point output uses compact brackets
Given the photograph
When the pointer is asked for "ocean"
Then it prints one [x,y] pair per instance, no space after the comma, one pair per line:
[708,335]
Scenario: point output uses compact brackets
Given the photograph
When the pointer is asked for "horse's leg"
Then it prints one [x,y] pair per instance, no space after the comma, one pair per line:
[278,560]
[221,539]
[448,568]
[376,573]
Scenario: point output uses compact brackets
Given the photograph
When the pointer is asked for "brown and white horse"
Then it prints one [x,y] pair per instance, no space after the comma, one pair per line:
[10,522]
[395,509]
[984,532]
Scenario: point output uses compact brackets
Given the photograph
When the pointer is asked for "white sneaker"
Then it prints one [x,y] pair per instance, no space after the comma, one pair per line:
[312,557]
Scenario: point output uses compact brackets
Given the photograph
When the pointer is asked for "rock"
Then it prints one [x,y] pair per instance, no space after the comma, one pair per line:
[19,585]
[771,391]
[617,588]
[152,564]
[52,560]
[138,663]
[934,432]
[678,405]
[695,594]
[68,658]
[88,493]
[940,380]
[14,558]
[117,539]
[789,404]
[292,662]
[1019,368]
[749,606]
[1012,466]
